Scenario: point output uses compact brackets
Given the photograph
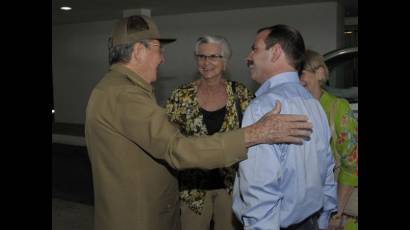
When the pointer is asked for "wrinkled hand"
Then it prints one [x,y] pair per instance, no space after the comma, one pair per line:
[275,128]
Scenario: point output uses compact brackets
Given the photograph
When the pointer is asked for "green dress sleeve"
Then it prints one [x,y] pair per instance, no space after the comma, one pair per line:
[346,143]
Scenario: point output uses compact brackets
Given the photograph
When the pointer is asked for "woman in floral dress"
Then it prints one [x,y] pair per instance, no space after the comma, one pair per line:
[344,142]
[202,107]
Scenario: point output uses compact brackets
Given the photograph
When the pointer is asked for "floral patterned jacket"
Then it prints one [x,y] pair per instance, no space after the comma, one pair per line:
[345,125]
[183,109]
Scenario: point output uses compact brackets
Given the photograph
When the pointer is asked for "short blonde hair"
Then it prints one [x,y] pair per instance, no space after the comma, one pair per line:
[313,61]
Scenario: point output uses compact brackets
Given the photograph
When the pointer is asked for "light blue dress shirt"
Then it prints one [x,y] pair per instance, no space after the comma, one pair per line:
[282,184]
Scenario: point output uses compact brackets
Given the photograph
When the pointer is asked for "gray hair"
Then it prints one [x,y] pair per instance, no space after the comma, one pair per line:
[225,47]
[121,53]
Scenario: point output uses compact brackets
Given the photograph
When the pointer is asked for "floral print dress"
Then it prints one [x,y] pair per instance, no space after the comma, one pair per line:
[183,109]
[346,143]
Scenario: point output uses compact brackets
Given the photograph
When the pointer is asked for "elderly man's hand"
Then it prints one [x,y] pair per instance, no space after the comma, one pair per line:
[278,128]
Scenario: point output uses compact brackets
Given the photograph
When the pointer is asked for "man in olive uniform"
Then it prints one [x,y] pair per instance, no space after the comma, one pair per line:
[133,148]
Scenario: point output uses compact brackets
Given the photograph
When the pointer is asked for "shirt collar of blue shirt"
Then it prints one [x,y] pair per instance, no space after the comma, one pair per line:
[277,80]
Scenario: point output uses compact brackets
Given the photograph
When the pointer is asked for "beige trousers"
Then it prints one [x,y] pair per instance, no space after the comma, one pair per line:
[217,207]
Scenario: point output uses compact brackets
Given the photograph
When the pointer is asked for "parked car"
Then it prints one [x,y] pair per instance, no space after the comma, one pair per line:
[343,75]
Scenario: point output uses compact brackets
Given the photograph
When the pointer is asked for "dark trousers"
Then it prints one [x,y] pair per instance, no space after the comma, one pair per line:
[309,223]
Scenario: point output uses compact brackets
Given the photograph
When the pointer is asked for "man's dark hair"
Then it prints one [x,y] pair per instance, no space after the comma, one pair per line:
[291,42]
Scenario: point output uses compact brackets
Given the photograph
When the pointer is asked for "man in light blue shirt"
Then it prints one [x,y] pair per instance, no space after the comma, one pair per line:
[284,186]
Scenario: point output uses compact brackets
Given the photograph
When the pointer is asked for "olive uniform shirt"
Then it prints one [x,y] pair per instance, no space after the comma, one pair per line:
[133,149]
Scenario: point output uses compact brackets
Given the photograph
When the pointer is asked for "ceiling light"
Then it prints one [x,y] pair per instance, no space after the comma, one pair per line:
[66,8]
[348,32]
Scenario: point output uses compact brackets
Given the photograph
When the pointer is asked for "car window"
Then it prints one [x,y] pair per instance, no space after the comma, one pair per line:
[343,75]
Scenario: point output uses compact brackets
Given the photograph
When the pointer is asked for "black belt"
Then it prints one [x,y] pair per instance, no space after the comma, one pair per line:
[312,217]
[213,180]
[204,180]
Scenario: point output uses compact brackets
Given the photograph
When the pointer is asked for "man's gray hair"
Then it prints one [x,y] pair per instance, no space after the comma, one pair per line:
[225,47]
[121,53]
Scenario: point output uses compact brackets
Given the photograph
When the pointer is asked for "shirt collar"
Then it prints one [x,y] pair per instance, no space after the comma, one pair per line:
[277,80]
[135,78]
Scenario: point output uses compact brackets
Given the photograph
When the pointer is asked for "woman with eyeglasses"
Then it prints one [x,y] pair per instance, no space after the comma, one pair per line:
[207,105]
[344,143]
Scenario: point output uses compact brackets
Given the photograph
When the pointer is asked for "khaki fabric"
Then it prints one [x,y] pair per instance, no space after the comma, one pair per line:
[218,207]
[352,205]
[133,150]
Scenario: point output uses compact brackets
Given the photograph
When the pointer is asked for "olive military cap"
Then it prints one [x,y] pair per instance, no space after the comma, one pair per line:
[136,28]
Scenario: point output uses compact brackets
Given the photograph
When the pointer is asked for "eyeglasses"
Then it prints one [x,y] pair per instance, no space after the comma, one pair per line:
[213,57]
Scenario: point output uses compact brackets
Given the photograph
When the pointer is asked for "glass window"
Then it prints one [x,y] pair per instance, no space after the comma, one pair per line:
[343,75]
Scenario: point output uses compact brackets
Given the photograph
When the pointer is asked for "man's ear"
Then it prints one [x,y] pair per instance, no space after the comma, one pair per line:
[276,51]
[137,51]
